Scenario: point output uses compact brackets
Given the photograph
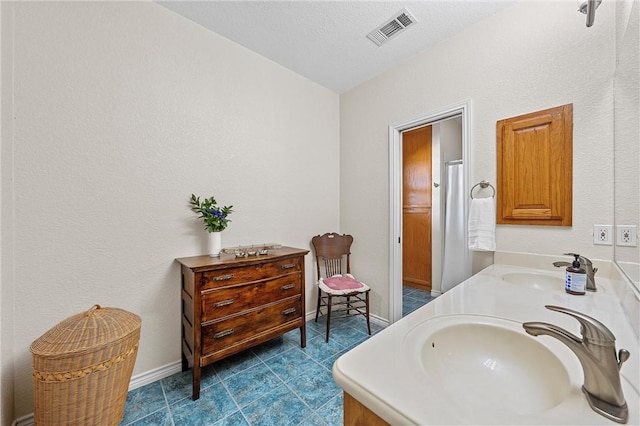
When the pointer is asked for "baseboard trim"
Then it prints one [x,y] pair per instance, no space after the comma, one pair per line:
[154,375]
[142,379]
[136,382]
[311,316]
[379,320]
[27,420]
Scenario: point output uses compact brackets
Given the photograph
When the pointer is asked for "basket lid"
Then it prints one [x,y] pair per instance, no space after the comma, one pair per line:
[87,330]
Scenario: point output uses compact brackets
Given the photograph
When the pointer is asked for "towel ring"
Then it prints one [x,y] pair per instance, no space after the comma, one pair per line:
[483,184]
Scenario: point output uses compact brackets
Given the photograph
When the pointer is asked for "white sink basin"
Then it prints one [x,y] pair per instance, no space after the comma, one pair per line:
[456,361]
[489,363]
[535,281]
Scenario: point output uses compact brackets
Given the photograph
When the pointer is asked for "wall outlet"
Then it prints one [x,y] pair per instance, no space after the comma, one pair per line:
[602,235]
[626,235]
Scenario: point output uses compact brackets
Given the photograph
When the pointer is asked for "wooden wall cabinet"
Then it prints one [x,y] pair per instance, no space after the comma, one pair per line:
[535,160]
[231,304]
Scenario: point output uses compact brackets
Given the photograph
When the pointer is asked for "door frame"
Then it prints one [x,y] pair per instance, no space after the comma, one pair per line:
[462,109]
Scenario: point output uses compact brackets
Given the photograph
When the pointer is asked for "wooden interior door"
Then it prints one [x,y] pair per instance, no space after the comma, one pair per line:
[416,208]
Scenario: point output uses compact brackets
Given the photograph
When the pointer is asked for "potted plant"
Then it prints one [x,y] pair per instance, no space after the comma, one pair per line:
[215,218]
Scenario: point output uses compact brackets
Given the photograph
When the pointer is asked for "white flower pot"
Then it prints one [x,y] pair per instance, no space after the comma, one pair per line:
[215,244]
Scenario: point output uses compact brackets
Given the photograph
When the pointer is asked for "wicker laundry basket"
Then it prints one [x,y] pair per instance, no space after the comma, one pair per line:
[82,368]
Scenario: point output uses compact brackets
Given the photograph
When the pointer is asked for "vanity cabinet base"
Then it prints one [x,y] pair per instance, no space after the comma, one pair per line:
[356,414]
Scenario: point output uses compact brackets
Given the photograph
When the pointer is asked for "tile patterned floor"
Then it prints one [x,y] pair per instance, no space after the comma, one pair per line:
[412,299]
[276,383]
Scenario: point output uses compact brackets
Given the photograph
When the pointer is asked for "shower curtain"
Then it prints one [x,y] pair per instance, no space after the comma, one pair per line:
[453,272]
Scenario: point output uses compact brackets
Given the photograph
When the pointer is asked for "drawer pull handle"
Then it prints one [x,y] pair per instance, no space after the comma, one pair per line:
[287,286]
[289,311]
[223,277]
[223,333]
[223,303]
[289,266]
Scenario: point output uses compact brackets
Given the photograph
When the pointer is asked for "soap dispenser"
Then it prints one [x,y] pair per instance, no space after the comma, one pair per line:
[576,278]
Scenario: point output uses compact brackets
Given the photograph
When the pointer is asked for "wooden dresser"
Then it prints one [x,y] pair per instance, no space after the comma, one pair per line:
[230,304]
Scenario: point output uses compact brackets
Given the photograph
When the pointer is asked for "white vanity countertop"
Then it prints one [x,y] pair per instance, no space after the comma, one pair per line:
[382,375]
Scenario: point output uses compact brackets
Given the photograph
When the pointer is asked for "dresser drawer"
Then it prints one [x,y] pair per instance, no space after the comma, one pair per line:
[225,301]
[242,274]
[222,334]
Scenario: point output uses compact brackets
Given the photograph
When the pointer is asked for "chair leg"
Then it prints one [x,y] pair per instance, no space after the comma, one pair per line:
[318,307]
[348,305]
[367,310]
[328,317]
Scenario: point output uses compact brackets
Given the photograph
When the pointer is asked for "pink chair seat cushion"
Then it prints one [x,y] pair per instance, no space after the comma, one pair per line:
[340,282]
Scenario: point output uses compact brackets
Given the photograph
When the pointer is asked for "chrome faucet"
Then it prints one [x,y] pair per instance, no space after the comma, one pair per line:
[596,351]
[587,265]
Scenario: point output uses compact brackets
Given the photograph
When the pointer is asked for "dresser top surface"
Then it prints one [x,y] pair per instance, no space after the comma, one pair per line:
[206,261]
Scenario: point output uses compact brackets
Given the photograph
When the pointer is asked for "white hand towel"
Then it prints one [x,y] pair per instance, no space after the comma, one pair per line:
[482,224]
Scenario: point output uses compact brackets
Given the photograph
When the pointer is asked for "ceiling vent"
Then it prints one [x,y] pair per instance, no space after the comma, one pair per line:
[395,25]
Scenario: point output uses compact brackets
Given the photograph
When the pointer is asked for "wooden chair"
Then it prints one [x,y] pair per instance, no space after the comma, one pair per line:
[339,293]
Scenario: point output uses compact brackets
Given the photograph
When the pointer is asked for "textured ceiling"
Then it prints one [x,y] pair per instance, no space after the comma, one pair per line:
[325,41]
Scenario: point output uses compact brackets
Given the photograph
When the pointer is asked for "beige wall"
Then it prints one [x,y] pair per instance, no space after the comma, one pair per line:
[531,56]
[122,110]
[6,291]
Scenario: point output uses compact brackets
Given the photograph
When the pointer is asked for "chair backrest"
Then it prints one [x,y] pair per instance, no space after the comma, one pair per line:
[333,253]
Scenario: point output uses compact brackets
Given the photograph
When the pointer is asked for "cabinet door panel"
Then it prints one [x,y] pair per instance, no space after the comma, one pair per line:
[535,168]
